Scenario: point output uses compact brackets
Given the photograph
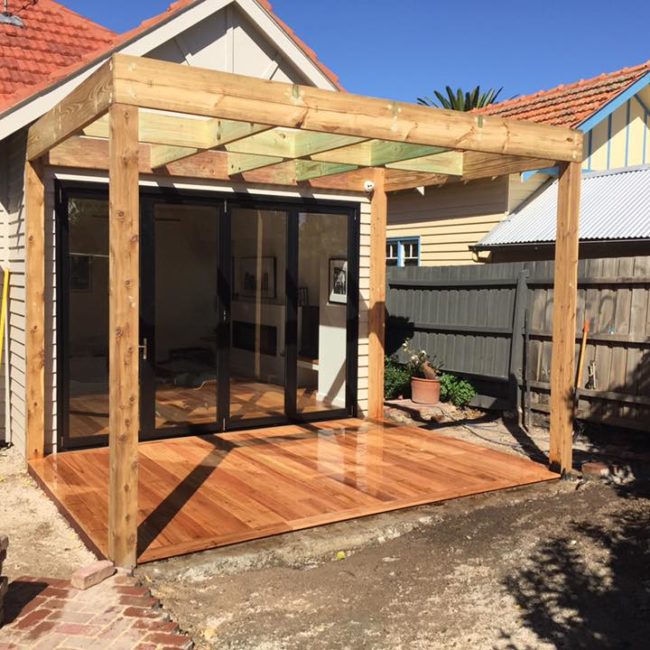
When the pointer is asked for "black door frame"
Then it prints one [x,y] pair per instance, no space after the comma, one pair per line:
[224,202]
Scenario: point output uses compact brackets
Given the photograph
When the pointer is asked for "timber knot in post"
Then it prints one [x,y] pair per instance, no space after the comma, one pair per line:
[119,332]
[120,214]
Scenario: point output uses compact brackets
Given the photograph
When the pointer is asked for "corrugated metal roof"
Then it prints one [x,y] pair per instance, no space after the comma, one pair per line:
[614,206]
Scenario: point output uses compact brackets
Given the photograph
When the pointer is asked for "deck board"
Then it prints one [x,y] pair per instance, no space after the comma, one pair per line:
[204,492]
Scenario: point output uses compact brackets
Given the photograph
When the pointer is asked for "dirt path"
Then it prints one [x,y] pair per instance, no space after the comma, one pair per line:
[560,565]
[41,543]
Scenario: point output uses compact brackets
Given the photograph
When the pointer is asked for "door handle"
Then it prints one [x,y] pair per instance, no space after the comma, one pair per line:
[143,348]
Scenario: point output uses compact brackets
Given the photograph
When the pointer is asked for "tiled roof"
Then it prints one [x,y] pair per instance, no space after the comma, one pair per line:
[569,104]
[56,43]
[53,39]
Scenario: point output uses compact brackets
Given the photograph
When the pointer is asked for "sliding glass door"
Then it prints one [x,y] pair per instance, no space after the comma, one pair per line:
[248,314]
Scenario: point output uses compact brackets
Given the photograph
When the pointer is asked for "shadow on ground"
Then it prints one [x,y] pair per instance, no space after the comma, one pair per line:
[571,601]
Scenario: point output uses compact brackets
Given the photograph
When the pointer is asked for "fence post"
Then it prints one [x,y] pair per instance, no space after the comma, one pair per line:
[517,348]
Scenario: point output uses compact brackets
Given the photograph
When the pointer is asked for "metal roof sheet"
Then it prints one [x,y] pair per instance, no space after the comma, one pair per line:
[614,206]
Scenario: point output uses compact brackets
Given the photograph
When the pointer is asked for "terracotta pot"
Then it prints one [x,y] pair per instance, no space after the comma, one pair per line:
[425,391]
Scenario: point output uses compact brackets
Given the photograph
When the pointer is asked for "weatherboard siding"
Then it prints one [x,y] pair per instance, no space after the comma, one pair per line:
[449,219]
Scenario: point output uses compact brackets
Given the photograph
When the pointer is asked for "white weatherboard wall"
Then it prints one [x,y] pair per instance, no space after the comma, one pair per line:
[211,35]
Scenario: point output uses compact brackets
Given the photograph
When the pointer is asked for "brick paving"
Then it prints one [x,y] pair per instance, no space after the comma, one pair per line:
[116,614]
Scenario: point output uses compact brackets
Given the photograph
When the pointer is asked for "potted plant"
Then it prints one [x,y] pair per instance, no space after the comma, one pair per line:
[425,372]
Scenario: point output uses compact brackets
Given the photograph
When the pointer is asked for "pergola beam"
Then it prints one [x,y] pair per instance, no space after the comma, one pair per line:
[309,169]
[87,102]
[148,83]
[92,153]
[449,162]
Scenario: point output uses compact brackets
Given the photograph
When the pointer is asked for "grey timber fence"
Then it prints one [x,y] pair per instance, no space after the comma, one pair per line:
[492,324]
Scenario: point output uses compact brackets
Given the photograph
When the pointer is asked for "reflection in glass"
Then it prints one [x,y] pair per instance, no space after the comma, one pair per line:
[258,314]
[88,317]
[185,314]
[322,311]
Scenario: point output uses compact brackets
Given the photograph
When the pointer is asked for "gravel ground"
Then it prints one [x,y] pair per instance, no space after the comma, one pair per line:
[559,565]
[41,543]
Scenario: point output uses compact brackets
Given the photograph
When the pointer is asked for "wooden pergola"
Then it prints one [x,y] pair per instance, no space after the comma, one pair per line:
[136,117]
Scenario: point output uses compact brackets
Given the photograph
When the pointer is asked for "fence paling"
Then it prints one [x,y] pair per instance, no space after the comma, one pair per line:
[492,324]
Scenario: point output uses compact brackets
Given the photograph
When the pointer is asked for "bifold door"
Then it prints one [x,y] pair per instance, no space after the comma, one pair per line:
[246,316]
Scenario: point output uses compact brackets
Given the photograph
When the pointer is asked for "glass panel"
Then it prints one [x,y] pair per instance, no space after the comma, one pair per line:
[258,314]
[322,312]
[391,253]
[185,368]
[88,317]
[411,257]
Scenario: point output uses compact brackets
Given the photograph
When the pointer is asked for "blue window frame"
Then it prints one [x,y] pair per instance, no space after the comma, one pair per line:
[403,251]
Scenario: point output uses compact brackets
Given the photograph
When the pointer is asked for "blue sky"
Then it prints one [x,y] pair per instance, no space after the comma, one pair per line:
[405,48]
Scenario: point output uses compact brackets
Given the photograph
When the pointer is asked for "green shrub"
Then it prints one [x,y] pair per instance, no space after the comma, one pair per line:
[397,379]
[455,390]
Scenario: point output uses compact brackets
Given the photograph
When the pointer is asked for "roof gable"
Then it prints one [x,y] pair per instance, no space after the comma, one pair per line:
[571,104]
[31,97]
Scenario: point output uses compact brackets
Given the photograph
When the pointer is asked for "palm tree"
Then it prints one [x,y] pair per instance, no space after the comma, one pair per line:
[462,101]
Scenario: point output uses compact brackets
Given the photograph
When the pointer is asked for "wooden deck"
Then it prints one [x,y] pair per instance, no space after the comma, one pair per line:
[198,493]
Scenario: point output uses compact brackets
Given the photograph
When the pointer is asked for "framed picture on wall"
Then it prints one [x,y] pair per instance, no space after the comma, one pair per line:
[256,277]
[338,281]
[80,276]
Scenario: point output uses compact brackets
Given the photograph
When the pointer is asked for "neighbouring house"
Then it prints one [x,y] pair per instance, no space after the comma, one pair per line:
[499,219]
[194,224]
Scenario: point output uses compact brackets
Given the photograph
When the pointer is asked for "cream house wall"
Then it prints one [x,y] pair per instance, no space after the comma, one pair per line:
[448,219]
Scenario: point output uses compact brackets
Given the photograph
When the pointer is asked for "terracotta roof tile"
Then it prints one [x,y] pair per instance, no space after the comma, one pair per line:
[52,39]
[57,42]
[569,104]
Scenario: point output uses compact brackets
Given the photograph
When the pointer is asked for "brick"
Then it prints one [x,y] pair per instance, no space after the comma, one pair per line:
[171,640]
[139,601]
[32,618]
[156,626]
[140,612]
[49,642]
[42,628]
[92,575]
[133,591]
[77,629]
[146,646]
[58,592]
[72,617]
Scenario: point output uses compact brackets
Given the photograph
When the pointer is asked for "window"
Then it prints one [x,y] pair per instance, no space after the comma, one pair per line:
[403,251]
[392,253]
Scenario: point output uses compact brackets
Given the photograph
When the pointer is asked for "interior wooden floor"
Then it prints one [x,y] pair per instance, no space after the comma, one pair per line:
[197,493]
[175,406]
